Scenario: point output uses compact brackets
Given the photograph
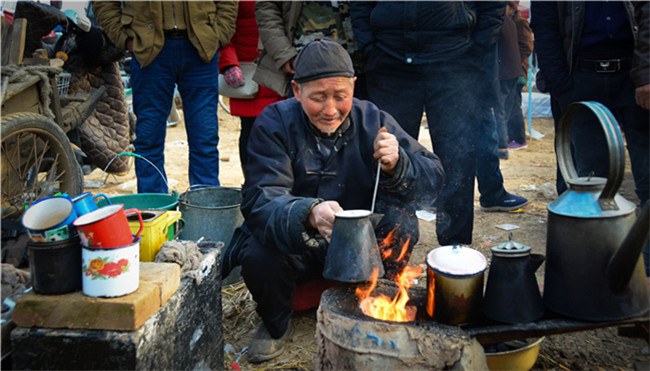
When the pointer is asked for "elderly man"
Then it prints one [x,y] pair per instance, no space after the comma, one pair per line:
[311,156]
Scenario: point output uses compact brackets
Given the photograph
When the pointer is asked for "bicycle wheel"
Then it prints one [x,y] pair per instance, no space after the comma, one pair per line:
[37,161]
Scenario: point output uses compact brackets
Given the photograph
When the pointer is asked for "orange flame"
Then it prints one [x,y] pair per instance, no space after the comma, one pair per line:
[386,309]
[384,244]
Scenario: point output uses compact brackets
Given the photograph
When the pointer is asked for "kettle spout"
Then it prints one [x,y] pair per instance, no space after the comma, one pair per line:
[621,264]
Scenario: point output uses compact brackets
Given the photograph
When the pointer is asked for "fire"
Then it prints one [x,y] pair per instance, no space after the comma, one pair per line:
[386,251]
[386,243]
[384,308]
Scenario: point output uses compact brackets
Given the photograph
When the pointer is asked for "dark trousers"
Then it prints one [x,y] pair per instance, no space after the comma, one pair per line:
[488,173]
[588,144]
[516,122]
[448,92]
[272,275]
[510,119]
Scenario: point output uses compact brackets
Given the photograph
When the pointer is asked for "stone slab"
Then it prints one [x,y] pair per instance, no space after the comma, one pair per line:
[77,311]
[167,276]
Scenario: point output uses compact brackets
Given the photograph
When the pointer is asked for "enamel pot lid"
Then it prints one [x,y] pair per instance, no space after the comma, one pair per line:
[457,260]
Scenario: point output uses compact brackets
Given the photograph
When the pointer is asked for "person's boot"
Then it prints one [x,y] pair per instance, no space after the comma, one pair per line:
[263,347]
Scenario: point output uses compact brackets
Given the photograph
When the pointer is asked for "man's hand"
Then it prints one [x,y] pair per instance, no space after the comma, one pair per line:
[386,150]
[643,96]
[321,217]
[288,68]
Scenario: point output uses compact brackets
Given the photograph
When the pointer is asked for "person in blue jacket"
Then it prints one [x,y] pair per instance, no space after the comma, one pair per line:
[309,157]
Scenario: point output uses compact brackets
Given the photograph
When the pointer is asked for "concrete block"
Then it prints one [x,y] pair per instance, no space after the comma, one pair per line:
[77,311]
[184,334]
[167,276]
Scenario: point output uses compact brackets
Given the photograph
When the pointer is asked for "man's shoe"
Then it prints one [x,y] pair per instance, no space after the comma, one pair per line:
[514,145]
[511,202]
[263,347]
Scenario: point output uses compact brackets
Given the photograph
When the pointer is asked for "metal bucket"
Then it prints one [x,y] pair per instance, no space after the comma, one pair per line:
[211,212]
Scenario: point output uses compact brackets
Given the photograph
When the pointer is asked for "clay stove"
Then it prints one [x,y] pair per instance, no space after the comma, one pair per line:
[348,339]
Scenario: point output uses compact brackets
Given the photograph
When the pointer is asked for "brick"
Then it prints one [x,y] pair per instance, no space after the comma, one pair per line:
[167,276]
[77,311]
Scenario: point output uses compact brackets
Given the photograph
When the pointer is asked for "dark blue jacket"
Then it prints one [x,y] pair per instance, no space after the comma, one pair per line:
[287,173]
[425,31]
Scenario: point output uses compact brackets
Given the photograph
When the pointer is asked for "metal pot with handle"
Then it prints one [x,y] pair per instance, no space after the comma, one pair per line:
[593,266]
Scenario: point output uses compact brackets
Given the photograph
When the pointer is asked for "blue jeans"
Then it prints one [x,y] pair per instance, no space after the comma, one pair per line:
[153,89]
[446,90]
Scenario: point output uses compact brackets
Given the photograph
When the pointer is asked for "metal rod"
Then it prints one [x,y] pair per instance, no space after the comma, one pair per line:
[374,193]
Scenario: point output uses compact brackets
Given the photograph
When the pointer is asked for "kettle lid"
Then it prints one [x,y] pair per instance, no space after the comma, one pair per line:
[457,260]
[511,249]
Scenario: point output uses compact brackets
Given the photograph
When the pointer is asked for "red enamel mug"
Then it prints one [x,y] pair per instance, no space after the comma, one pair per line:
[107,227]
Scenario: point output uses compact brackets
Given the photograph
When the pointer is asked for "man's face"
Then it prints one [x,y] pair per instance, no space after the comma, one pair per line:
[327,101]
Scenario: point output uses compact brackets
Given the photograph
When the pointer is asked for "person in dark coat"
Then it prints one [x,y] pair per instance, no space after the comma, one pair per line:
[310,157]
[585,52]
[441,57]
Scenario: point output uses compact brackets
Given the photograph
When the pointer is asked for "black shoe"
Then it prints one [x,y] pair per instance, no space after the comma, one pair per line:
[263,347]
[511,202]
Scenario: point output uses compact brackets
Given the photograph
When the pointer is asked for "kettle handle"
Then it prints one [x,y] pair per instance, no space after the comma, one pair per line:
[614,145]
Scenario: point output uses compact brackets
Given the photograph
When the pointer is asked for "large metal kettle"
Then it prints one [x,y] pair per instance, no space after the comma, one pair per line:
[594,270]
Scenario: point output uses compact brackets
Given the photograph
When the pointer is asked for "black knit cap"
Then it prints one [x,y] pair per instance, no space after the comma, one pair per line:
[320,59]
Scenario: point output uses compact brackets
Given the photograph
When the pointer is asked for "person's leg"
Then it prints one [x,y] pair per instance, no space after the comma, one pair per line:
[153,89]
[396,88]
[633,121]
[501,113]
[272,276]
[488,102]
[556,111]
[488,172]
[452,114]
[516,122]
[246,126]
[198,83]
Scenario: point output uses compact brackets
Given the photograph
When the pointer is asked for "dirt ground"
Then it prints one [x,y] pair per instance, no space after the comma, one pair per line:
[524,173]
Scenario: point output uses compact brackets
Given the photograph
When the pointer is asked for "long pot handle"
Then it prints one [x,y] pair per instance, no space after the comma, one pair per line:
[615,147]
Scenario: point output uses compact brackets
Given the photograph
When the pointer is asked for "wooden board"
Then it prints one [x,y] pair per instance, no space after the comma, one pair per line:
[13,41]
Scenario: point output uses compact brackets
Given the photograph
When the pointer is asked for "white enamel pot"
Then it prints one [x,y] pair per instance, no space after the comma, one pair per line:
[110,272]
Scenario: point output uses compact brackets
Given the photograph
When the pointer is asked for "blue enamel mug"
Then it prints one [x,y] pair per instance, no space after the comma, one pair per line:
[85,202]
[50,219]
